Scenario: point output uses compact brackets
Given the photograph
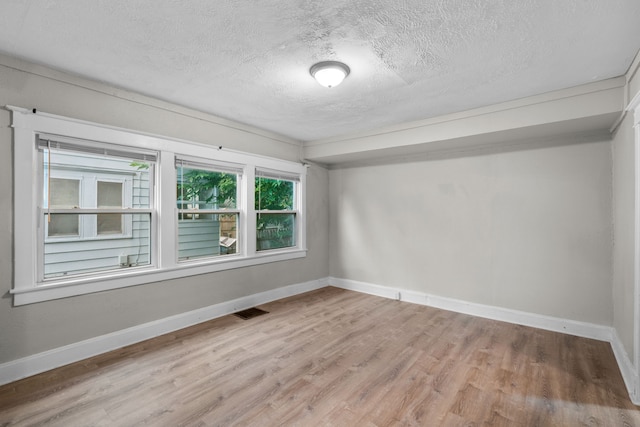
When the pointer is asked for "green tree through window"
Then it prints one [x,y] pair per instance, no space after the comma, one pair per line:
[210,188]
[274,229]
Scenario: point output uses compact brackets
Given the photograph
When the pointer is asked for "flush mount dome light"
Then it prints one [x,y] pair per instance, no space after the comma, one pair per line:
[329,73]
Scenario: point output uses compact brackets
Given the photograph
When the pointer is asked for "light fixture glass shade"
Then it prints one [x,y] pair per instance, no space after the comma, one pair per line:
[329,73]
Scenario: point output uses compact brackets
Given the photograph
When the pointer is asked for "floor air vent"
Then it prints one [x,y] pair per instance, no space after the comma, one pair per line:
[250,313]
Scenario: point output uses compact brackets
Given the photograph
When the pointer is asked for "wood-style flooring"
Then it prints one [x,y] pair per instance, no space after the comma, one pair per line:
[335,358]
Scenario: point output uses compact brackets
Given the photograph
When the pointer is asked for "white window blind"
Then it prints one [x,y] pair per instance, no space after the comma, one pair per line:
[188,163]
[60,143]
[276,174]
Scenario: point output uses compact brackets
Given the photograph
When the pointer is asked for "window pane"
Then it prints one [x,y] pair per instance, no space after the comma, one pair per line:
[275,231]
[73,257]
[63,193]
[207,236]
[274,194]
[109,195]
[228,234]
[203,189]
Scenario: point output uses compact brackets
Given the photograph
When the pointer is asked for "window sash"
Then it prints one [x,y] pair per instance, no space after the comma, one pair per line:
[202,239]
[214,167]
[87,226]
[98,248]
[276,237]
[294,199]
[200,230]
[73,257]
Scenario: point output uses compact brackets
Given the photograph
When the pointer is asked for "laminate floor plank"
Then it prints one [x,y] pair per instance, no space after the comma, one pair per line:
[333,357]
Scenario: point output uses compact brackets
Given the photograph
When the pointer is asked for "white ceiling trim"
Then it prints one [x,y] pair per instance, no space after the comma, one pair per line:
[589,108]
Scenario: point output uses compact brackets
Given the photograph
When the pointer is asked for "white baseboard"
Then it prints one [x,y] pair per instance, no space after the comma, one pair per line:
[628,371]
[41,362]
[572,327]
[555,324]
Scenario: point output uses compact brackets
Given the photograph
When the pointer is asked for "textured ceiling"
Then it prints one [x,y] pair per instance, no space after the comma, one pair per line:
[248,60]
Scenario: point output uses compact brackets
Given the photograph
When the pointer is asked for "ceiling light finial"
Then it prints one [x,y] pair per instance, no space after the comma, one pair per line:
[329,73]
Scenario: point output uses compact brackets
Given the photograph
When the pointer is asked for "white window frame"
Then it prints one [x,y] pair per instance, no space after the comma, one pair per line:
[28,288]
[203,164]
[297,200]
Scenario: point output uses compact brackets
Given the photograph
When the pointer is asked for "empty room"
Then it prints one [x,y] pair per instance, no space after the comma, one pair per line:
[365,213]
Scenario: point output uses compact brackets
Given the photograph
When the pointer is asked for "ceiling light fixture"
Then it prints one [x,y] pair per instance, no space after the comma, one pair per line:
[329,73]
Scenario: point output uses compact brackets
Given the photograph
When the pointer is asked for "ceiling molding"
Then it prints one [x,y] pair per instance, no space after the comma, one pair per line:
[457,149]
[588,108]
[631,92]
[633,68]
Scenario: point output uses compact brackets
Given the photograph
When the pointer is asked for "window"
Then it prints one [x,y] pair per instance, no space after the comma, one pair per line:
[92,220]
[102,208]
[207,196]
[275,204]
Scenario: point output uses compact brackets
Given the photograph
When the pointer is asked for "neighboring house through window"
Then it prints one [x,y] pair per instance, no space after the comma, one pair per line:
[208,214]
[91,208]
[100,208]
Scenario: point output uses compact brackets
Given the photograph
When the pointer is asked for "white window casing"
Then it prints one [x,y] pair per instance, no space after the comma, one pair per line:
[31,129]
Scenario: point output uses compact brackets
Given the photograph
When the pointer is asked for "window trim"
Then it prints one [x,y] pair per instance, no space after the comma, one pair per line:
[26,286]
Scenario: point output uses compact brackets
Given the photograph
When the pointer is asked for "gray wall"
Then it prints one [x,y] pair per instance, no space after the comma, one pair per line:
[527,230]
[623,148]
[39,327]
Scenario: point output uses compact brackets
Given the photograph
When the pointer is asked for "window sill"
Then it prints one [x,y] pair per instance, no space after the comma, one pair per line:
[133,276]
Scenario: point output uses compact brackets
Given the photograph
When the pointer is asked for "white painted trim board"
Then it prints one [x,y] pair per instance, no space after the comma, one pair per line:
[41,362]
[555,324]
